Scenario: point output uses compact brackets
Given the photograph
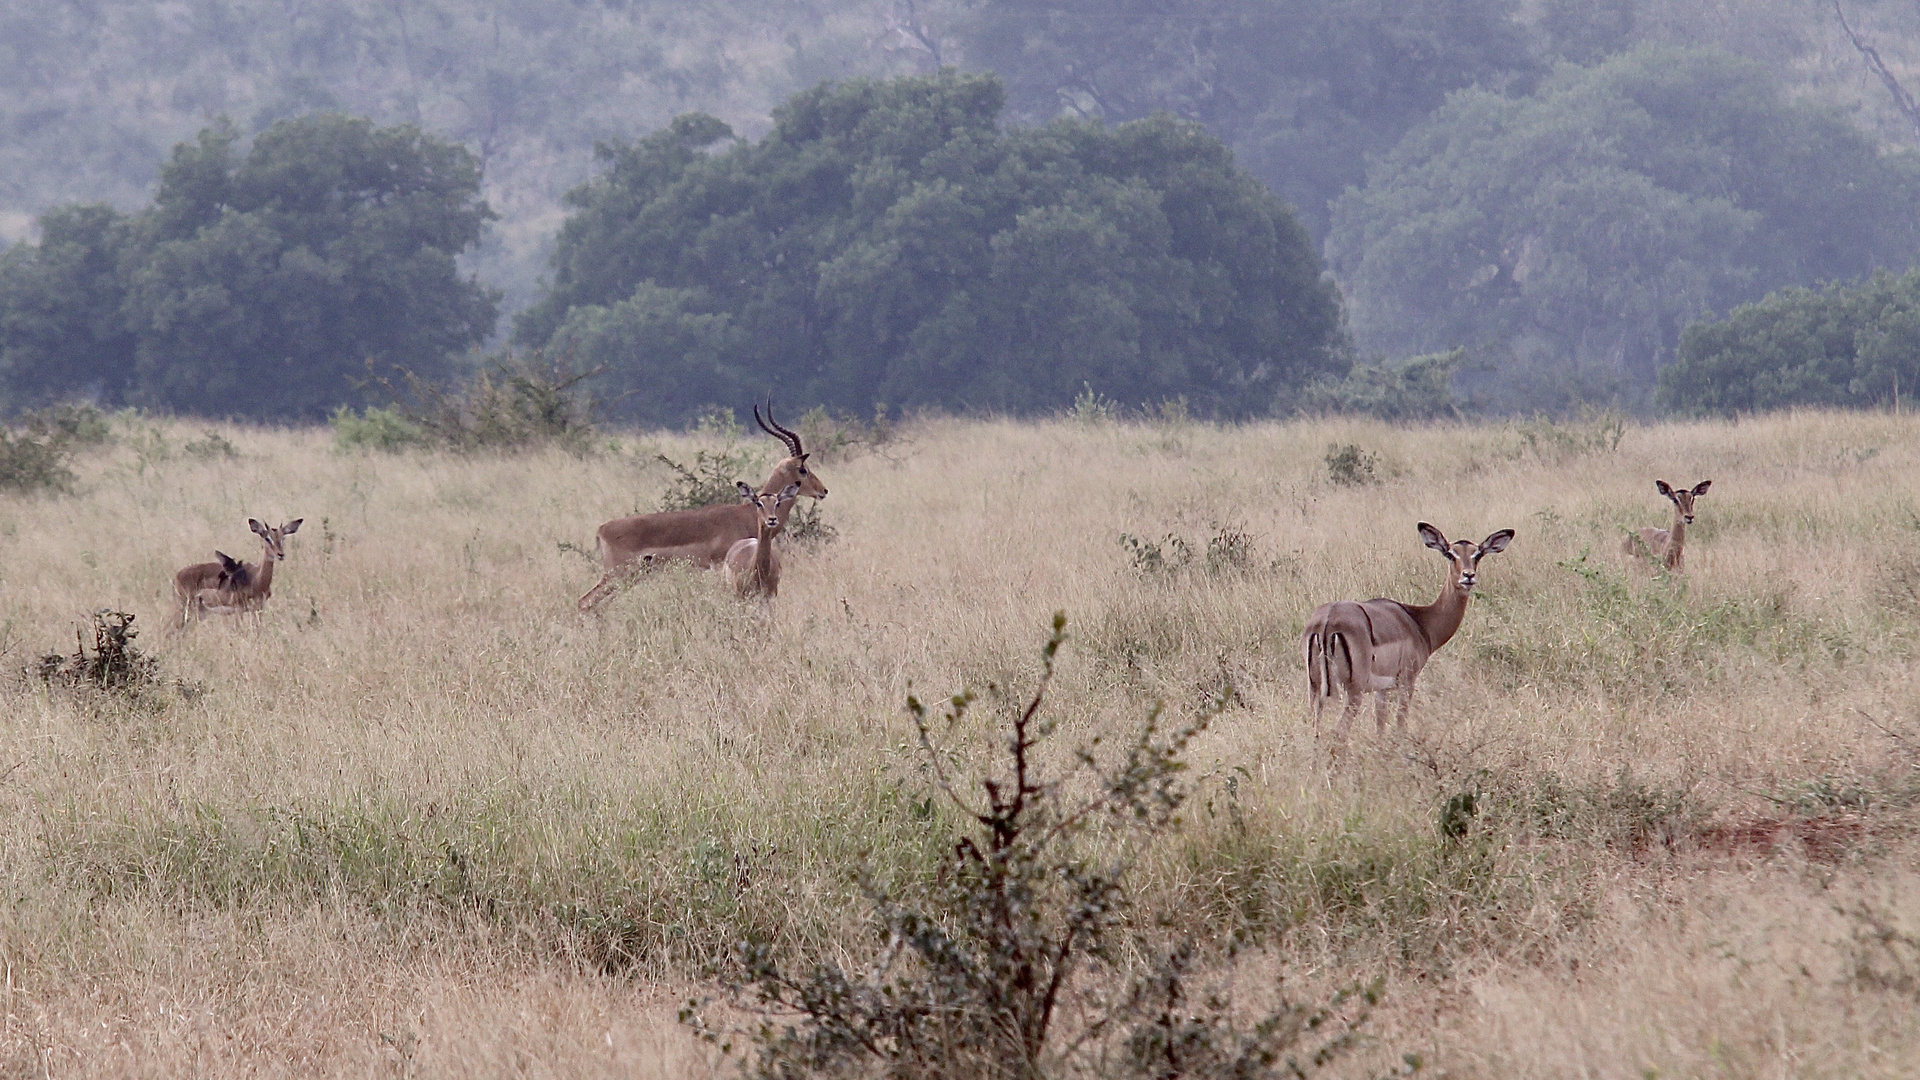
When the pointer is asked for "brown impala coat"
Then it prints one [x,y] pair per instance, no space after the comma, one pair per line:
[1378,646]
[703,536]
[231,586]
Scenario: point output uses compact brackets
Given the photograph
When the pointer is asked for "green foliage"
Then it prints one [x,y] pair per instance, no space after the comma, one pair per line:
[1417,388]
[212,446]
[255,284]
[62,330]
[1229,550]
[34,463]
[828,437]
[1303,92]
[890,241]
[710,480]
[1650,638]
[1850,345]
[1026,911]
[78,424]
[375,428]
[807,526]
[1593,432]
[1574,230]
[515,403]
[1350,466]
[35,453]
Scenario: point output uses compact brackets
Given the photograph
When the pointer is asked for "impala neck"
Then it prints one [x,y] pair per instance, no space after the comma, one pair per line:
[1676,537]
[763,552]
[1439,620]
[263,581]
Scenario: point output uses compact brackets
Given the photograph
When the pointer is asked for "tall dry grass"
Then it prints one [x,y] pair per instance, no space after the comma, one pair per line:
[423,818]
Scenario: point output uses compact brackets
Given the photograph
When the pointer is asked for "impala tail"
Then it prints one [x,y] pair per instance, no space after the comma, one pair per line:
[1321,647]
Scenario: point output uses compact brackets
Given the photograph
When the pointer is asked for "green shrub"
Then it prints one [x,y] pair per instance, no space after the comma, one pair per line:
[1417,388]
[1020,925]
[515,403]
[1350,466]
[34,463]
[374,429]
[710,480]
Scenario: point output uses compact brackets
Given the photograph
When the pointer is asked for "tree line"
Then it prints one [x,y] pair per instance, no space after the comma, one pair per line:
[910,242]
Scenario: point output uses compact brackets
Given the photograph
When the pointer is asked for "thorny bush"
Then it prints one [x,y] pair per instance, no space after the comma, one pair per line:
[1010,963]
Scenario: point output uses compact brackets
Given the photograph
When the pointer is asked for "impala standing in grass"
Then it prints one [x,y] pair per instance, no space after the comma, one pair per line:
[1381,645]
[230,586]
[703,536]
[1667,545]
[753,566]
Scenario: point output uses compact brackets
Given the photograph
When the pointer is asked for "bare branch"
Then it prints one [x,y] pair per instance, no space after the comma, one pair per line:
[1902,100]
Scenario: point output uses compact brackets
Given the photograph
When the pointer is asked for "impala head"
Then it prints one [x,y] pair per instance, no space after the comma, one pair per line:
[1465,555]
[276,550]
[1683,499]
[794,469]
[769,503]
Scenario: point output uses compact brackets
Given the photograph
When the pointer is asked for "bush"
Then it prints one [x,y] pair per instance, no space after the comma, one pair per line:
[1350,466]
[29,463]
[1417,388]
[710,480]
[1852,345]
[514,404]
[35,455]
[113,665]
[1020,925]
[374,429]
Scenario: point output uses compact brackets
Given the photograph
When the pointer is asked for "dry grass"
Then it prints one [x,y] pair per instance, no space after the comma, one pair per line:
[421,818]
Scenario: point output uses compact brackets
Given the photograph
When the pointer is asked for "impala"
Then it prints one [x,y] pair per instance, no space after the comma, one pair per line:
[1381,645]
[753,567]
[703,536]
[230,586]
[1667,545]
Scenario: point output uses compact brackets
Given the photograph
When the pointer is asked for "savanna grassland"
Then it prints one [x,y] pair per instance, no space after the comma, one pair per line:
[423,818]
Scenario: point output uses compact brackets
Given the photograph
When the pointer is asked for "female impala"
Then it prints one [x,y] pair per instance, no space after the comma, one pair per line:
[230,586]
[753,567]
[1381,645]
[1667,545]
[704,536]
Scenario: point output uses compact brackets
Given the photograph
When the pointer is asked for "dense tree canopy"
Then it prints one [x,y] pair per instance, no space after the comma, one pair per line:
[255,285]
[1303,90]
[889,242]
[1586,223]
[1846,344]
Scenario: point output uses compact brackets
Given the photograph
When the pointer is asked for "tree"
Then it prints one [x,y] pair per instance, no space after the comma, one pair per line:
[1583,225]
[1303,90]
[256,286]
[62,334]
[888,242]
[1853,345]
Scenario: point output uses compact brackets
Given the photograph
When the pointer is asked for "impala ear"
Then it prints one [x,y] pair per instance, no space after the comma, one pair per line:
[1497,543]
[259,529]
[1700,488]
[1434,540]
[1664,489]
[291,527]
[789,493]
[745,490]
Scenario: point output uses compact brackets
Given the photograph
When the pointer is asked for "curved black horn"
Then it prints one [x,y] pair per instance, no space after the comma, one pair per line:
[792,440]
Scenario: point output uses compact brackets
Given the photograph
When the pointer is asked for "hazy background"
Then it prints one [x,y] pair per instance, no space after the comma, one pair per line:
[93,96]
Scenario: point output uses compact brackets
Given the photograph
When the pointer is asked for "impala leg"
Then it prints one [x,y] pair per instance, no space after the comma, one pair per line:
[1347,716]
